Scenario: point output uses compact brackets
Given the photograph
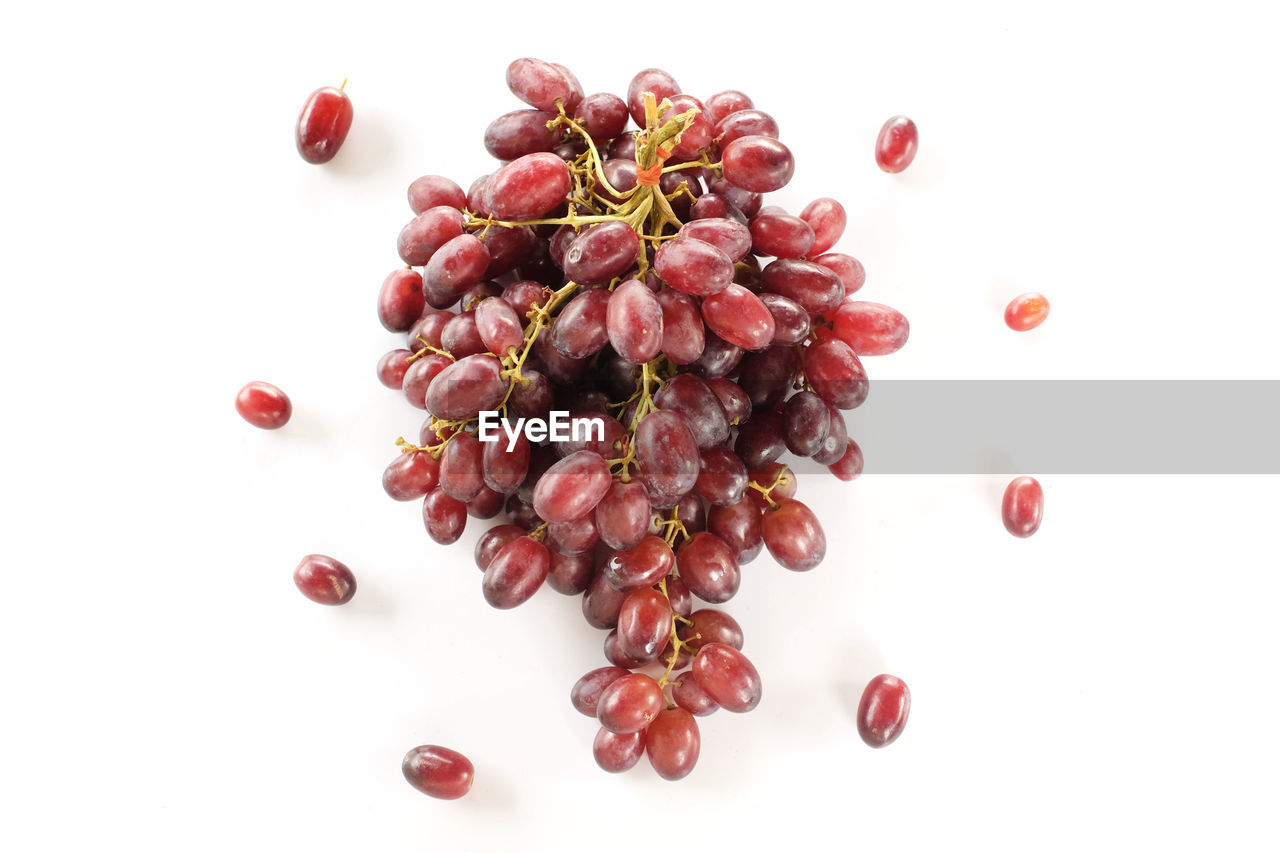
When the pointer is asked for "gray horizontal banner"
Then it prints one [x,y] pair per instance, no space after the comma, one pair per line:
[1067,427]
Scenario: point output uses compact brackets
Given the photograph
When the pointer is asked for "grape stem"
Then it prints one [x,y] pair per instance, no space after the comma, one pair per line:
[675,645]
[427,348]
[767,490]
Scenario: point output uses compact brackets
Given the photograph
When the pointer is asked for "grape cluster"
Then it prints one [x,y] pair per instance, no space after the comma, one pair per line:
[616,274]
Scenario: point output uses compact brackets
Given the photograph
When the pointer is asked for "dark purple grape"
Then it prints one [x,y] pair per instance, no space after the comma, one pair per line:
[761,440]
[570,573]
[718,359]
[837,440]
[768,376]
[734,401]
[806,422]
[690,397]
[508,248]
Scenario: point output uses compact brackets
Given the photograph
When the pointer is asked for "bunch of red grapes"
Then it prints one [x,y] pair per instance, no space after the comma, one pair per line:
[635,279]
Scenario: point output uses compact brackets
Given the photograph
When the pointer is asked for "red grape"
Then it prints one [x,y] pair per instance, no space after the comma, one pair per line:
[572,487]
[434,191]
[883,710]
[672,743]
[758,164]
[1026,312]
[264,405]
[324,580]
[870,328]
[427,232]
[793,535]
[827,218]
[528,187]
[411,475]
[438,771]
[400,301]
[654,80]
[519,133]
[630,703]
[634,321]
[737,315]
[642,565]
[616,753]
[896,144]
[781,235]
[1023,506]
[516,572]
[323,124]
[693,267]
[542,84]
[726,675]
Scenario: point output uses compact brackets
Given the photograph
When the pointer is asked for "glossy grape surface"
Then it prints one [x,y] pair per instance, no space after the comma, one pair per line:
[1026,312]
[438,771]
[883,710]
[264,405]
[323,124]
[896,145]
[1023,506]
[324,580]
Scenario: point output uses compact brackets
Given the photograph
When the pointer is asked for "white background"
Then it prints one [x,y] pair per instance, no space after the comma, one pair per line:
[1109,683]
